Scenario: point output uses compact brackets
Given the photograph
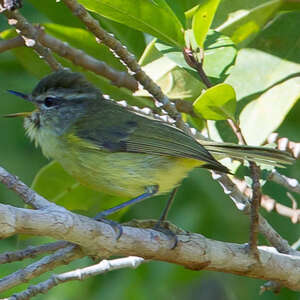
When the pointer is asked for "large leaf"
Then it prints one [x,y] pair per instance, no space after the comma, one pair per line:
[202,19]
[56,185]
[217,103]
[57,12]
[274,56]
[262,116]
[243,25]
[74,36]
[153,17]
[174,81]
[220,53]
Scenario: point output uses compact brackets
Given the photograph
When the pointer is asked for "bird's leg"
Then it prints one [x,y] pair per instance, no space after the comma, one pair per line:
[150,191]
[160,223]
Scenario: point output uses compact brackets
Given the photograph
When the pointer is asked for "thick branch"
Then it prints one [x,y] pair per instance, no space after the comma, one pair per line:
[193,251]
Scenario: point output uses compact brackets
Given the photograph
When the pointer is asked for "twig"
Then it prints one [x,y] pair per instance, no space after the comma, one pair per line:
[11,43]
[78,57]
[269,203]
[29,34]
[255,202]
[256,195]
[285,144]
[128,59]
[197,65]
[243,204]
[10,5]
[31,252]
[29,196]
[61,256]
[80,274]
[291,184]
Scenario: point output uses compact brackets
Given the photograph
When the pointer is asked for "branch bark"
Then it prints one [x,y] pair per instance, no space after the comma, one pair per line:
[194,251]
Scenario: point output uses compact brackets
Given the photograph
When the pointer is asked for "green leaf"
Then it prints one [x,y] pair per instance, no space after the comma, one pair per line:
[219,55]
[174,81]
[57,12]
[151,16]
[74,36]
[261,117]
[202,19]
[56,185]
[217,103]
[273,57]
[242,26]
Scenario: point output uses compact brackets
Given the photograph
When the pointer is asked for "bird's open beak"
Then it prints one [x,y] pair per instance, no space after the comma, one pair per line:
[20,114]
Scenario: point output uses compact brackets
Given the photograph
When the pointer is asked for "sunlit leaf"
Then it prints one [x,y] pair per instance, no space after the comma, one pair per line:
[220,53]
[243,26]
[202,19]
[153,17]
[174,81]
[262,116]
[217,103]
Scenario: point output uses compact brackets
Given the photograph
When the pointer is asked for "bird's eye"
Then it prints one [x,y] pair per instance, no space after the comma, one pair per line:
[51,101]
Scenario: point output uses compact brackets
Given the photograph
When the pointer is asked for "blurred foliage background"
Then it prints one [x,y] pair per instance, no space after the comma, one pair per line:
[270,59]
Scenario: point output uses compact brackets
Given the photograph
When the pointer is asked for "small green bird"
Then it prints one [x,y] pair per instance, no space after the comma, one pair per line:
[114,149]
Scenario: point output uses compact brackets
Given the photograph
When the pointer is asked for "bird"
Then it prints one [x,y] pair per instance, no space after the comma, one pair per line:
[118,150]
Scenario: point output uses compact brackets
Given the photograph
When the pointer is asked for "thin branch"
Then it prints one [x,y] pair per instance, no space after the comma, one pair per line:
[243,204]
[60,257]
[31,252]
[77,57]
[29,196]
[80,274]
[256,195]
[285,144]
[291,184]
[11,44]
[129,60]
[194,251]
[269,203]
[29,34]
[255,203]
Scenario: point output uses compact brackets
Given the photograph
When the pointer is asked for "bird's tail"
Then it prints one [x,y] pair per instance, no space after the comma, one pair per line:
[263,155]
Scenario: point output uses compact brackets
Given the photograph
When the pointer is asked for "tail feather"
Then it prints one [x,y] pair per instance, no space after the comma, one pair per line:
[263,155]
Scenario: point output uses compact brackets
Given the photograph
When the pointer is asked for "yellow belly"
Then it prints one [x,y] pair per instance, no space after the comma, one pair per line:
[127,174]
[119,173]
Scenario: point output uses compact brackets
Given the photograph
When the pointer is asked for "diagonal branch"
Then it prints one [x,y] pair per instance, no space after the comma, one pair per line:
[128,59]
[77,57]
[291,184]
[29,34]
[28,195]
[31,252]
[60,257]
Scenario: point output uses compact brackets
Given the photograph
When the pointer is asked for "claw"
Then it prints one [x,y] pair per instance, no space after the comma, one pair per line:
[118,229]
[159,226]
